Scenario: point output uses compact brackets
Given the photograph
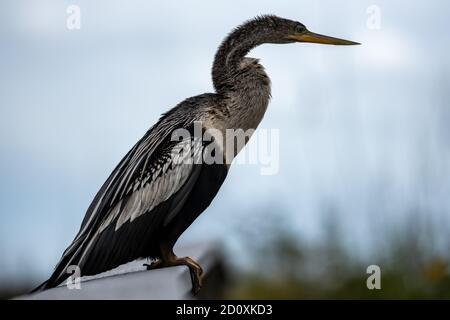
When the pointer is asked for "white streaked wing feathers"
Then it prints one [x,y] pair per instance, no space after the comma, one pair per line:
[159,189]
[163,181]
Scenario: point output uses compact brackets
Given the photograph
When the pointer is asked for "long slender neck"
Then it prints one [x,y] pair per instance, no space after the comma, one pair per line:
[233,49]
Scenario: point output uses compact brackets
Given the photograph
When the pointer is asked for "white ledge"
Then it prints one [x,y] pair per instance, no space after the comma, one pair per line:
[133,281]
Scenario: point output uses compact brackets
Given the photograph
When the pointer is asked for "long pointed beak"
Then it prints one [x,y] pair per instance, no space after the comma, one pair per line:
[312,37]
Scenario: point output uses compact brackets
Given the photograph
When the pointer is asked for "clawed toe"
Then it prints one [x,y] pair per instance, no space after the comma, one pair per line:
[195,269]
[196,278]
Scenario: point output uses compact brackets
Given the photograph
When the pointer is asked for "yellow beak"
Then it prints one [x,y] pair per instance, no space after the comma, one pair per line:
[312,37]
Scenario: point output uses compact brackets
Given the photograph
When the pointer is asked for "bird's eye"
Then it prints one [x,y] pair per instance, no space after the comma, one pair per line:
[300,27]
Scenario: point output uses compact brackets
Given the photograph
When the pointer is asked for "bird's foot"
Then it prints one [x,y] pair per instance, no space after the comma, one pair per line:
[195,269]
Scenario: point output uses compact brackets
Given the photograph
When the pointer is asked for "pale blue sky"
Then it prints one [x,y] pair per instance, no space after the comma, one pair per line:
[363,129]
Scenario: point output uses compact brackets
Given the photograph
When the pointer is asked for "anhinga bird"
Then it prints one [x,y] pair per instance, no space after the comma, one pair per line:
[150,199]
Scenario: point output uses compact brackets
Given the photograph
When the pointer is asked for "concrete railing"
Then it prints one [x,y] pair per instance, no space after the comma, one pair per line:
[133,281]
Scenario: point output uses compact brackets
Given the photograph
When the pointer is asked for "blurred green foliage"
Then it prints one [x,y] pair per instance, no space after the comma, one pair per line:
[413,258]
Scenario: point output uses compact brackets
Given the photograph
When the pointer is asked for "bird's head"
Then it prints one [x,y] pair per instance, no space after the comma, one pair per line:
[255,32]
[280,30]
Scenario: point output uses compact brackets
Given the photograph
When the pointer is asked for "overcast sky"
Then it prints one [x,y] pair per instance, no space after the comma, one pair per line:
[363,129]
